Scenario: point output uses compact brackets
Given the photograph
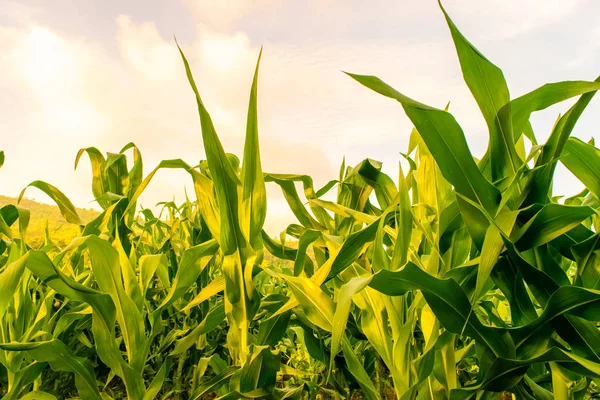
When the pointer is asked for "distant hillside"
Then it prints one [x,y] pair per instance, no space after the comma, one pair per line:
[61,232]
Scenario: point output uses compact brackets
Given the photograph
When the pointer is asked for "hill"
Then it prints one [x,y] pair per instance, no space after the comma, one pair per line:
[61,232]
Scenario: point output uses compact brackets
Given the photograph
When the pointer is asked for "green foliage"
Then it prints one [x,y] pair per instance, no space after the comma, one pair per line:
[465,279]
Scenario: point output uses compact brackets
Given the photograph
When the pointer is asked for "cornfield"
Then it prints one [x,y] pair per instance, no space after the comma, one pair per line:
[458,279]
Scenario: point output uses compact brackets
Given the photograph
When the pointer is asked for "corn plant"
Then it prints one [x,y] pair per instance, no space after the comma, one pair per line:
[459,278]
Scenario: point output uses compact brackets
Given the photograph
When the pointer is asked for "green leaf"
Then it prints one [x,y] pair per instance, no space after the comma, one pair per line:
[253,207]
[23,378]
[193,261]
[99,181]
[37,395]
[351,249]
[445,140]
[156,383]
[215,316]
[67,209]
[277,249]
[104,260]
[292,197]
[342,311]
[540,180]
[571,300]
[224,178]
[61,358]
[147,266]
[272,330]
[404,224]
[260,370]
[213,384]
[10,278]
[586,255]
[583,160]
[317,306]
[492,247]
[103,317]
[214,287]
[302,261]
[384,187]
[505,373]
[448,302]
[544,97]
[549,223]
[358,371]
[488,86]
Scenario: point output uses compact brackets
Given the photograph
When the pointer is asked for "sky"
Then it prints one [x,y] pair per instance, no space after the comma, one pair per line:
[106,72]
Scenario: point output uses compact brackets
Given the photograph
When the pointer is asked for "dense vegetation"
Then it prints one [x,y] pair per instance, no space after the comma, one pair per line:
[462,279]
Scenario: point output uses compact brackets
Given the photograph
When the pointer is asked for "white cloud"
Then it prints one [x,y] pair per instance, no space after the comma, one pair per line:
[502,19]
[222,14]
[71,94]
[146,52]
[62,92]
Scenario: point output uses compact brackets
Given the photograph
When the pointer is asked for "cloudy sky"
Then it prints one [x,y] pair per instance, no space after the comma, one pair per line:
[104,73]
